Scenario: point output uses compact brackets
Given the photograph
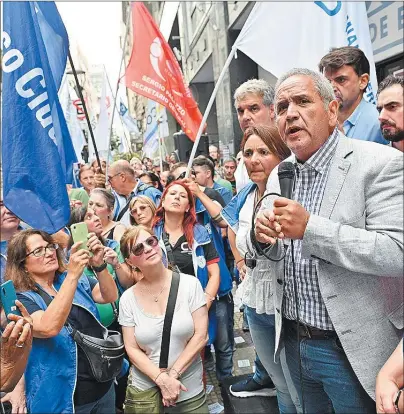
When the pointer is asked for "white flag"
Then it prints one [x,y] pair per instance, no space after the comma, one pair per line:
[302,33]
[101,134]
[129,122]
[156,127]
[73,124]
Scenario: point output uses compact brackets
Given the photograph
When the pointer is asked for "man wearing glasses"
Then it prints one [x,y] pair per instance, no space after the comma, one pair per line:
[121,177]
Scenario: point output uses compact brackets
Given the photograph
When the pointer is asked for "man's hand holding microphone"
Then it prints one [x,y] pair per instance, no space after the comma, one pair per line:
[288,219]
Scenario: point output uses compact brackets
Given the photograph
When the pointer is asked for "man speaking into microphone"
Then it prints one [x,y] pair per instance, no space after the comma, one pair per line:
[339,288]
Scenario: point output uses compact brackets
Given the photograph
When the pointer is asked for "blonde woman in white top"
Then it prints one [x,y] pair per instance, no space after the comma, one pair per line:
[142,312]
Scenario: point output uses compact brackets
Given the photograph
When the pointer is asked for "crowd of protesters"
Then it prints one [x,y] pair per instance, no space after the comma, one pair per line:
[325,316]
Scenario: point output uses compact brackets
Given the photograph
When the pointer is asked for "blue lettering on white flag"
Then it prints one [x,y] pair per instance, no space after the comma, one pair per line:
[330,12]
[37,151]
[353,41]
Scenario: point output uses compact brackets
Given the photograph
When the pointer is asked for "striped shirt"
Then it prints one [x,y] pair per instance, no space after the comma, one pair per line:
[311,179]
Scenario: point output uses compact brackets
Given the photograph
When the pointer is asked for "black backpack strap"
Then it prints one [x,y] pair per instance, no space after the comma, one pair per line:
[168,320]
[125,209]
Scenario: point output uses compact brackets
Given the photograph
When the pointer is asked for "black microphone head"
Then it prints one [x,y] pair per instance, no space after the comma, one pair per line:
[286,169]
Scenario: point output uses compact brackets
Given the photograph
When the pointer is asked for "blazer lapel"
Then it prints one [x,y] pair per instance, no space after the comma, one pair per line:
[336,177]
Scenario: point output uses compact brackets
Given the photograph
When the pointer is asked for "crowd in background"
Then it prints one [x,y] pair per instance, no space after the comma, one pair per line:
[326,319]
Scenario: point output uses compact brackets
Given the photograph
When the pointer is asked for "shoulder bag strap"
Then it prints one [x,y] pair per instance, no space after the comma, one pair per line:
[48,299]
[168,320]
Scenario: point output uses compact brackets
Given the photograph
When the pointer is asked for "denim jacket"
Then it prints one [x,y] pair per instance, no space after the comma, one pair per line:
[51,372]
[230,213]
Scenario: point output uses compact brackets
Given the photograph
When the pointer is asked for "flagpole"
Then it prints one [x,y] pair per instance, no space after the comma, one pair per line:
[209,107]
[117,111]
[80,93]
[161,155]
[117,89]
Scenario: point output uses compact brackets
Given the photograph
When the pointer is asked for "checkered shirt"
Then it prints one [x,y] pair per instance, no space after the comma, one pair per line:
[311,179]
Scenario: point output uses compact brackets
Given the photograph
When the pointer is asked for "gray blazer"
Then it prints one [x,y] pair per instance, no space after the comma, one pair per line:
[358,239]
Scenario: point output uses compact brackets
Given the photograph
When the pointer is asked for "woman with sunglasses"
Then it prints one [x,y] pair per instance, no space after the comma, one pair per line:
[142,211]
[102,202]
[142,312]
[187,244]
[58,375]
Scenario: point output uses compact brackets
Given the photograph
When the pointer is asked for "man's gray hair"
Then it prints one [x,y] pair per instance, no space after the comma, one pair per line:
[258,87]
[321,83]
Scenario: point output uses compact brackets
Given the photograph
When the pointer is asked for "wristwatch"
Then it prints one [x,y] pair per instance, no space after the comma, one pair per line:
[99,269]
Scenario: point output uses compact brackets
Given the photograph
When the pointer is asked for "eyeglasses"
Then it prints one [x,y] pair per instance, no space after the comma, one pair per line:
[138,249]
[110,178]
[41,251]
[182,175]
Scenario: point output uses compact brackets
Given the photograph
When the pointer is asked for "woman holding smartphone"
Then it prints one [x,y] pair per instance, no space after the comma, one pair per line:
[58,375]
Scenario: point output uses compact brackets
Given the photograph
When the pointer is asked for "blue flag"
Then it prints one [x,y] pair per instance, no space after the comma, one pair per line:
[37,151]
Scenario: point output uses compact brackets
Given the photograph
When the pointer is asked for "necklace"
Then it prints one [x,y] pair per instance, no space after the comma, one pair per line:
[156,297]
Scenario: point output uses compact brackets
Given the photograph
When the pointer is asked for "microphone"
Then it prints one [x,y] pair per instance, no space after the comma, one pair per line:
[286,175]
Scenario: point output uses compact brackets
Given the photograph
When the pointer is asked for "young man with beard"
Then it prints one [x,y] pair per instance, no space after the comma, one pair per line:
[348,69]
[390,107]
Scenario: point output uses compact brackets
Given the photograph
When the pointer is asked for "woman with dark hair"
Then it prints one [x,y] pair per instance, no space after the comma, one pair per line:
[263,149]
[151,178]
[187,244]
[142,313]
[58,375]
[102,202]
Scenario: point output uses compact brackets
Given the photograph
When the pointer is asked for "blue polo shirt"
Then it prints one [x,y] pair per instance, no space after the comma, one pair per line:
[364,124]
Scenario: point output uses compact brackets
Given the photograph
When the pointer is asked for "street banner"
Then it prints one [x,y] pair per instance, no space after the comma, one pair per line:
[101,134]
[37,151]
[72,120]
[153,71]
[313,28]
[128,121]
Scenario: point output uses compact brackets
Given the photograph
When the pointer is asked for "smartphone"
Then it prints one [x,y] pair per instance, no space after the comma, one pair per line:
[8,298]
[80,234]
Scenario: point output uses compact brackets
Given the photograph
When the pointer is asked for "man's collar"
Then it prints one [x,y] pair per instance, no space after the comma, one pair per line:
[353,119]
[319,159]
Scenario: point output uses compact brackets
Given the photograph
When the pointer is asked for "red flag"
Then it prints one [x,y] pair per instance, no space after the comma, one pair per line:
[153,71]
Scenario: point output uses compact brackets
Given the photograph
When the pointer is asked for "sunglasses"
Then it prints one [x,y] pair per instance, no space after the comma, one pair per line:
[182,175]
[138,249]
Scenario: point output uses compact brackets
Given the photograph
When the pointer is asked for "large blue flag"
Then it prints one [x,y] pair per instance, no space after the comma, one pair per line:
[37,151]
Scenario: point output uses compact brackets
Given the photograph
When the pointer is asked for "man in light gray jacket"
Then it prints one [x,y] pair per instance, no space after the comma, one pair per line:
[339,288]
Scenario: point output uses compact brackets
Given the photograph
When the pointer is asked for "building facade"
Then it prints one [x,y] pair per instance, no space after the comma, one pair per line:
[203,34]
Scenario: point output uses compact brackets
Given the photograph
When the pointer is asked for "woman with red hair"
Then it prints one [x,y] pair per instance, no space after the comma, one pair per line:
[187,244]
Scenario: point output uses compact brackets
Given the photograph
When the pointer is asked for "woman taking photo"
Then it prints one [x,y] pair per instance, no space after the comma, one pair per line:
[58,375]
[116,266]
[142,210]
[142,313]
[102,202]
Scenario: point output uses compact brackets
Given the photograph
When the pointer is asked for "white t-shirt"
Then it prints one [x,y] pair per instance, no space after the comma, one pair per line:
[149,330]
